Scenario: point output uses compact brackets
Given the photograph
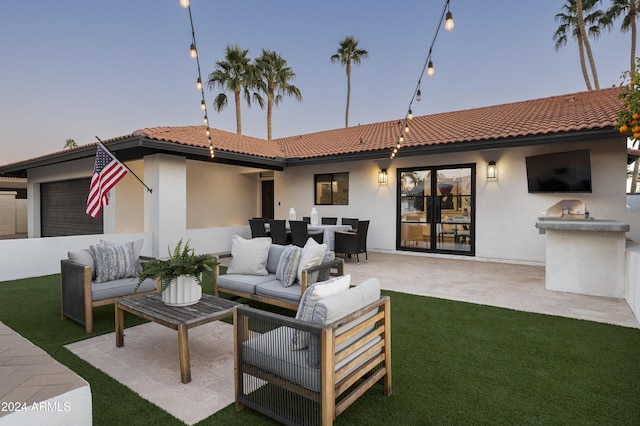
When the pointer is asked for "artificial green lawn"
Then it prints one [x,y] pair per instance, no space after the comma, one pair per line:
[453,363]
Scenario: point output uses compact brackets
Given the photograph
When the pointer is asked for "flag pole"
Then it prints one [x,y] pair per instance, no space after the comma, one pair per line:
[126,167]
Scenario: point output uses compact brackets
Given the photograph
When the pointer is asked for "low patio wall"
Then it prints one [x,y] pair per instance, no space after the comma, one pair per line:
[632,278]
[33,257]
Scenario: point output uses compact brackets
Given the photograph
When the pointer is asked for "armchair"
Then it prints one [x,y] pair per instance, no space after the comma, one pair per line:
[348,352]
[353,243]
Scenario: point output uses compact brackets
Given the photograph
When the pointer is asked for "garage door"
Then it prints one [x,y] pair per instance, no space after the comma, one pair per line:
[63,206]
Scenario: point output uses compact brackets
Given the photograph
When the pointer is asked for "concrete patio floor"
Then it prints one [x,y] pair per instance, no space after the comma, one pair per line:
[148,363]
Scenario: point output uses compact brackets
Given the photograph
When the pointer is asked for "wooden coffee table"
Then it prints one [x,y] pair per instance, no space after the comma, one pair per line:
[181,318]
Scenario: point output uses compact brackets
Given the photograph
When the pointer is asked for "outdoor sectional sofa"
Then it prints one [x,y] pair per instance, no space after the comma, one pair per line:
[261,281]
[308,369]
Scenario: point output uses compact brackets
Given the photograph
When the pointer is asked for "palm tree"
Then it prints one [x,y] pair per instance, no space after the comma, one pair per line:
[235,74]
[574,22]
[272,76]
[629,10]
[70,143]
[348,53]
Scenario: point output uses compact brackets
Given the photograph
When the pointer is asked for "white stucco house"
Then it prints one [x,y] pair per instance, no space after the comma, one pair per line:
[437,198]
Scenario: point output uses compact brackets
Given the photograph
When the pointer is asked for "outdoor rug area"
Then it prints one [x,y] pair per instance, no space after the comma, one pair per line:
[148,364]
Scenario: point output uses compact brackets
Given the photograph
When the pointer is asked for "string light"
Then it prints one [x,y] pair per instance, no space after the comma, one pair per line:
[447,17]
[430,70]
[194,54]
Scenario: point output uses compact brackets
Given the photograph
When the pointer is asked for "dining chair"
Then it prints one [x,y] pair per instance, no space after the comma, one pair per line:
[300,233]
[353,222]
[306,219]
[329,220]
[353,242]
[279,234]
[258,228]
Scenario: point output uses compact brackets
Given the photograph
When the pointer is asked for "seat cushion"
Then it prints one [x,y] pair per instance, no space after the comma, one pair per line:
[117,288]
[275,290]
[243,282]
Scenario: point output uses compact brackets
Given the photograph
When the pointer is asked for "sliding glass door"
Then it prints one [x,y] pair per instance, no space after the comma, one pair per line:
[435,209]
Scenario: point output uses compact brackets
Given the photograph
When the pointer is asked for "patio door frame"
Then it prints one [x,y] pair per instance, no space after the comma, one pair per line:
[433,212]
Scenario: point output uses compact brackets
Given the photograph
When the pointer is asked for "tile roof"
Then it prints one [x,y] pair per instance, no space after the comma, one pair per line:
[590,110]
[223,141]
[574,112]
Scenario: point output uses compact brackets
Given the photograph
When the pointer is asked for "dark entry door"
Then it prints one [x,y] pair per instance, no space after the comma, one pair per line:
[268,199]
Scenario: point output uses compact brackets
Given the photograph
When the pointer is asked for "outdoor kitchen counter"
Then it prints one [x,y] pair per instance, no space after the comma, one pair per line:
[585,256]
[600,225]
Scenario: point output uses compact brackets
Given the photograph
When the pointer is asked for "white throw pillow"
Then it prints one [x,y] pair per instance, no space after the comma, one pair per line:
[249,256]
[312,255]
[311,296]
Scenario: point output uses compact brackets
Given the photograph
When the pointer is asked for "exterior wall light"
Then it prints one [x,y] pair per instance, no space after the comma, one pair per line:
[492,171]
[383,177]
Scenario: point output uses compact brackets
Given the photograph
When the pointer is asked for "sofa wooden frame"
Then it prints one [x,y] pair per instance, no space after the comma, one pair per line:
[339,387]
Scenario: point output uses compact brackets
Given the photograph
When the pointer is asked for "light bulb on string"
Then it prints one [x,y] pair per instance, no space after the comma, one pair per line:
[193,52]
[203,106]
[401,138]
[184,3]
[406,128]
[199,84]
[419,95]
[448,23]
[410,114]
[430,69]
[205,120]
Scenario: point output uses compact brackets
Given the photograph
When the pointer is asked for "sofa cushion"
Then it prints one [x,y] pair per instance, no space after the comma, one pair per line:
[311,296]
[288,266]
[243,282]
[275,290]
[275,251]
[312,255]
[249,256]
[83,257]
[114,262]
[121,287]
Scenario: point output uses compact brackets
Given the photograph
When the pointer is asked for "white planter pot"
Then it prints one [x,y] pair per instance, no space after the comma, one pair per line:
[182,291]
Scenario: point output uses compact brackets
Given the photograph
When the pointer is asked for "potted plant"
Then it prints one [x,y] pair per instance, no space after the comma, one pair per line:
[180,274]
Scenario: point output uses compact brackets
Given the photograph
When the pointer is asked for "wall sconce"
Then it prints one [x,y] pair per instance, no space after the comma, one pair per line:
[492,171]
[383,177]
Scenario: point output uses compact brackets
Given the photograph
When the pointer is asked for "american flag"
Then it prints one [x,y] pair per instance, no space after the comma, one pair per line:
[107,172]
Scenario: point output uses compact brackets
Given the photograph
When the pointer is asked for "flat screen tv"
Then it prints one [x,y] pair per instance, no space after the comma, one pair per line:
[559,172]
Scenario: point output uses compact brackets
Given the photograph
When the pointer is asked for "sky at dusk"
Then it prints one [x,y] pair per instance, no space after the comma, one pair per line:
[74,69]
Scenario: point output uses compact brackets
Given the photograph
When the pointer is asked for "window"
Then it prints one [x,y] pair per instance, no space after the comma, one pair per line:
[332,189]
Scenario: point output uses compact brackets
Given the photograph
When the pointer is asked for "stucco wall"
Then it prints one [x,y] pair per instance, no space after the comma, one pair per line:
[505,212]
[7,212]
[219,195]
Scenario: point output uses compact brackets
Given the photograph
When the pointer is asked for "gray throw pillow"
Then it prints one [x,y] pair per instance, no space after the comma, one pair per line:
[288,265]
[113,262]
[137,248]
